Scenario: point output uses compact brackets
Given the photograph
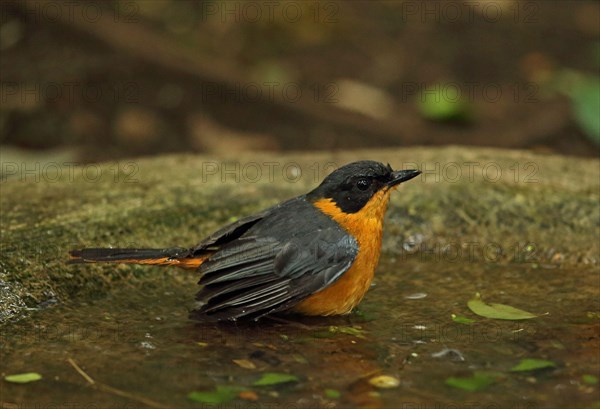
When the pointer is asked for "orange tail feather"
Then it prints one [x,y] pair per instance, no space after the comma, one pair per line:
[165,257]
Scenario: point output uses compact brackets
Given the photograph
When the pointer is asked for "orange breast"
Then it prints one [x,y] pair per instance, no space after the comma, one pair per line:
[366,226]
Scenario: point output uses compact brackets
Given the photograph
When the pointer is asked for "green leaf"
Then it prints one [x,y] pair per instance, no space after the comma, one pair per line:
[583,91]
[271,378]
[586,106]
[532,365]
[332,394]
[462,320]
[23,377]
[497,311]
[332,330]
[444,103]
[222,394]
[357,332]
[323,334]
[477,382]
[590,379]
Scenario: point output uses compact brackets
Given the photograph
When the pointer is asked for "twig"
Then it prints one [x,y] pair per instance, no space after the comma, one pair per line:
[81,371]
[110,389]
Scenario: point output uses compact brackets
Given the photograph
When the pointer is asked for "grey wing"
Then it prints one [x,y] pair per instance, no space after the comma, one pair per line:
[230,232]
[254,276]
[236,229]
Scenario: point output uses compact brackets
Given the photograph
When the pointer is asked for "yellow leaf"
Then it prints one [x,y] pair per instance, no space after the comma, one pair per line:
[244,363]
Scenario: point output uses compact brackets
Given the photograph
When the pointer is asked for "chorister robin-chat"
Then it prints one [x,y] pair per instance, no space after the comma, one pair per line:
[314,254]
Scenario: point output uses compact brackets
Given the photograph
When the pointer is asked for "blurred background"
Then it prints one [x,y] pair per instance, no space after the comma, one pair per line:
[102,80]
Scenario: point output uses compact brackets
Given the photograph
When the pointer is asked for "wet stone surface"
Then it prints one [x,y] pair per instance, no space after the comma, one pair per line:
[142,342]
[533,246]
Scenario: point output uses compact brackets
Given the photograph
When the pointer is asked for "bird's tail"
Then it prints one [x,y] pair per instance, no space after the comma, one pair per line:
[179,257]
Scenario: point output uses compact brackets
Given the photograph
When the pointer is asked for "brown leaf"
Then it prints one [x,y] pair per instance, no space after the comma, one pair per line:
[244,363]
[248,395]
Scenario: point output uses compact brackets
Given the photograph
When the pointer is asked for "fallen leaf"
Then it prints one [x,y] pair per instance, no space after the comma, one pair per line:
[299,358]
[222,394]
[244,363]
[356,331]
[271,378]
[23,377]
[473,383]
[590,379]
[323,334]
[532,365]
[248,395]
[462,320]
[332,330]
[384,382]
[497,311]
[332,393]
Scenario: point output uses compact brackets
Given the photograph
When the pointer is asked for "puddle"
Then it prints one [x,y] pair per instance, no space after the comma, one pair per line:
[140,341]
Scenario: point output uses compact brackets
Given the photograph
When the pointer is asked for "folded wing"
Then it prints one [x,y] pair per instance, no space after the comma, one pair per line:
[274,265]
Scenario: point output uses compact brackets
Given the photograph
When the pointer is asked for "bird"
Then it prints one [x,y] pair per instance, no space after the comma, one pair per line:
[314,254]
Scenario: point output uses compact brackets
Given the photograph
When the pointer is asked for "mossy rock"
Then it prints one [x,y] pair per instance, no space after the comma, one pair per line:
[513,206]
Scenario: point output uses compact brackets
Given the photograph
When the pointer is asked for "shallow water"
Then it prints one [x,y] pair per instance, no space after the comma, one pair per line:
[140,341]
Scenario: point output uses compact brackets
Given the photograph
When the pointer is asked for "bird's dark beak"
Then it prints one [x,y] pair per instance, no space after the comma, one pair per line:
[400,176]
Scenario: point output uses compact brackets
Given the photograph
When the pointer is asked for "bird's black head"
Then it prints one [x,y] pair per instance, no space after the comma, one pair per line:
[353,185]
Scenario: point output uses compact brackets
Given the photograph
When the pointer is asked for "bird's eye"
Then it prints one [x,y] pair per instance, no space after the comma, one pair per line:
[363,183]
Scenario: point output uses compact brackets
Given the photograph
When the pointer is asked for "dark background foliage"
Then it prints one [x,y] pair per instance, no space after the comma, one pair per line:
[95,81]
